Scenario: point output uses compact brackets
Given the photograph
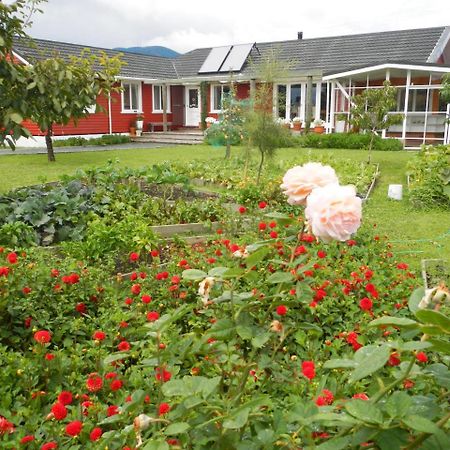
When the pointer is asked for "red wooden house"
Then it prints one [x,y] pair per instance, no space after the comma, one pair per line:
[326,72]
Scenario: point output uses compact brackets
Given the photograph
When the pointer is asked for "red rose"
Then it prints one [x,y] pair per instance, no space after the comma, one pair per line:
[321,254]
[94,382]
[262,226]
[99,336]
[49,356]
[74,428]
[49,446]
[59,411]
[308,369]
[273,234]
[146,299]
[65,397]
[365,304]
[12,257]
[163,408]
[95,434]
[124,346]
[154,253]
[6,426]
[134,256]
[262,205]
[26,439]
[422,357]
[242,209]
[281,310]
[136,289]
[42,337]
[116,385]
[152,316]
[81,308]
[112,410]
[162,374]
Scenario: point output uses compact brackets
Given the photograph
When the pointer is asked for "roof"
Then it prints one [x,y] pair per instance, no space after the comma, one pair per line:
[324,55]
[137,65]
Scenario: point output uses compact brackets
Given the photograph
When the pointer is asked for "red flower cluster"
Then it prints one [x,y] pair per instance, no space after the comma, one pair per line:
[163,408]
[308,369]
[74,428]
[73,278]
[94,382]
[42,337]
[281,310]
[326,398]
[365,304]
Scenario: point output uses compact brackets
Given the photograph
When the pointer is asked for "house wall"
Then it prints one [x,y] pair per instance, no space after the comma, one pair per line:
[98,123]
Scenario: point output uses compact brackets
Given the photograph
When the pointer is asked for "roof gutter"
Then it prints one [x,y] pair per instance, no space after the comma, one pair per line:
[350,73]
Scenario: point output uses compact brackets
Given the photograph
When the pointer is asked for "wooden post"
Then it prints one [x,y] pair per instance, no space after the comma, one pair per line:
[388,77]
[252,91]
[332,106]
[164,105]
[405,111]
[308,118]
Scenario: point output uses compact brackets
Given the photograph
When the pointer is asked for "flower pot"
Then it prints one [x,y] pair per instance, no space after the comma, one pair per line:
[132,131]
[319,129]
[297,126]
[139,124]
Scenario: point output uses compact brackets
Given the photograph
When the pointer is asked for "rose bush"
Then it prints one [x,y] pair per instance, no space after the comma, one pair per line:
[270,339]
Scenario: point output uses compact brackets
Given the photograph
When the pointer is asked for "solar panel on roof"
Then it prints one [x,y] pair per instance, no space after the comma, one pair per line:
[236,58]
[215,59]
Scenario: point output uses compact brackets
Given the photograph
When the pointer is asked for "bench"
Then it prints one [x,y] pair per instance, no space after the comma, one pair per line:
[152,125]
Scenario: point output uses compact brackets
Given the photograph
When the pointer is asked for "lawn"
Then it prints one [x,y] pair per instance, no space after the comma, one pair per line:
[414,234]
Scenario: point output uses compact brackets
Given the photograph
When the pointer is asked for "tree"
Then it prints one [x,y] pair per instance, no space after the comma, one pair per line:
[445,91]
[260,128]
[231,119]
[371,111]
[63,90]
[14,78]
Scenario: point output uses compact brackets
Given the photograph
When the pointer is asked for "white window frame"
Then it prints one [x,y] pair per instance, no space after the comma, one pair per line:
[160,110]
[213,96]
[139,97]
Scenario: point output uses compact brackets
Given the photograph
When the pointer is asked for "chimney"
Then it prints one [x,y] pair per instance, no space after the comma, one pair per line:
[300,35]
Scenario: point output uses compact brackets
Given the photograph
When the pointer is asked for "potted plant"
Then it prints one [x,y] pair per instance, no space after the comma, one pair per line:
[319,126]
[297,123]
[140,122]
[286,123]
[209,121]
[133,128]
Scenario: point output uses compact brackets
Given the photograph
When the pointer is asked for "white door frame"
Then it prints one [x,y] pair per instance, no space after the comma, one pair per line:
[192,116]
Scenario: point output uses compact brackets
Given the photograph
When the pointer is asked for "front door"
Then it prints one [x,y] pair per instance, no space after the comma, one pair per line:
[192,106]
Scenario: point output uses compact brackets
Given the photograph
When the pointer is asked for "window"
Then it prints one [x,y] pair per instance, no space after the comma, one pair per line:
[218,91]
[296,96]
[157,98]
[131,97]
[281,98]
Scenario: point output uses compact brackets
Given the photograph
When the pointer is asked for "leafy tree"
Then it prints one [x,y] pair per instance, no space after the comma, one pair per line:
[445,91]
[14,78]
[260,128]
[62,90]
[371,111]
[231,119]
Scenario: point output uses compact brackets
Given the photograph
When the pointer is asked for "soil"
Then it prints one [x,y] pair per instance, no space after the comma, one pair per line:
[174,192]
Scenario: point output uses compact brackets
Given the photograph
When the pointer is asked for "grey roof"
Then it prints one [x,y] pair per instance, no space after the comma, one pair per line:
[324,55]
[137,65]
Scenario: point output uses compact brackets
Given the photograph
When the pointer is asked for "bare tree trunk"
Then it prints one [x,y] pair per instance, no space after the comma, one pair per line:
[260,166]
[372,137]
[49,143]
[228,151]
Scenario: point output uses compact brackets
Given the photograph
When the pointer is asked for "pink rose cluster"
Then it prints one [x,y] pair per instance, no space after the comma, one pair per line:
[333,212]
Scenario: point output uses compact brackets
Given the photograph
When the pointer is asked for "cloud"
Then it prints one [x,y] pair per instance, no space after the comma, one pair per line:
[185,25]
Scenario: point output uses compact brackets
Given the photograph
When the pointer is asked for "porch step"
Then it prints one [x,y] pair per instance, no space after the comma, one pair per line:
[172,137]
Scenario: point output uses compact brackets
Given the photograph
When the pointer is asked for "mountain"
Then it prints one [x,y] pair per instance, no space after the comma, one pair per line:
[153,50]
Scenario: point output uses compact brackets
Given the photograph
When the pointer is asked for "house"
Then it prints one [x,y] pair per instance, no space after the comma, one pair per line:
[324,74]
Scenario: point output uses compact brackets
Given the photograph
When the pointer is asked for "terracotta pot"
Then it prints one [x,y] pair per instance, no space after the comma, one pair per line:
[319,130]
[132,131]
[297,126]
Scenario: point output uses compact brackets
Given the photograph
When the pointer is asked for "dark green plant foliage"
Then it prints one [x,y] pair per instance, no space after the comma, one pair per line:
[215,136]
[353,141]
[107,139]
[429,174]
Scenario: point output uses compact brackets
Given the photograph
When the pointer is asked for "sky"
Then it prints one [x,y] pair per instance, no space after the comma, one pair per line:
[184,25]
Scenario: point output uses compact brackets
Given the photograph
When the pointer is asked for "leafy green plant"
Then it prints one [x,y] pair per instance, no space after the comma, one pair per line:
[429,178]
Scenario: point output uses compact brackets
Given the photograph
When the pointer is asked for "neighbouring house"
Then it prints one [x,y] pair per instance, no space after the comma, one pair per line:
[324,74]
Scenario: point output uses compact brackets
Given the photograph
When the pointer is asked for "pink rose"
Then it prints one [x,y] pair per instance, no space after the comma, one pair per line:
[333,212]
[299,181]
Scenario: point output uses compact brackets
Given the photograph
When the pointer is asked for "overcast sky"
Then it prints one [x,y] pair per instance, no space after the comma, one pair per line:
[183,25]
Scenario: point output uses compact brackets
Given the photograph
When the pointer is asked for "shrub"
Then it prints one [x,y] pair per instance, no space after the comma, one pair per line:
[107,139]
[216,136]
[352,141]
[429,177]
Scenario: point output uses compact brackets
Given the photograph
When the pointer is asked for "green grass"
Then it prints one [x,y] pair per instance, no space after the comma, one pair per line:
[414,234]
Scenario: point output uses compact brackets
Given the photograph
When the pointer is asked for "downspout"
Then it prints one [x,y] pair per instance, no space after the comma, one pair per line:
[109,113]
